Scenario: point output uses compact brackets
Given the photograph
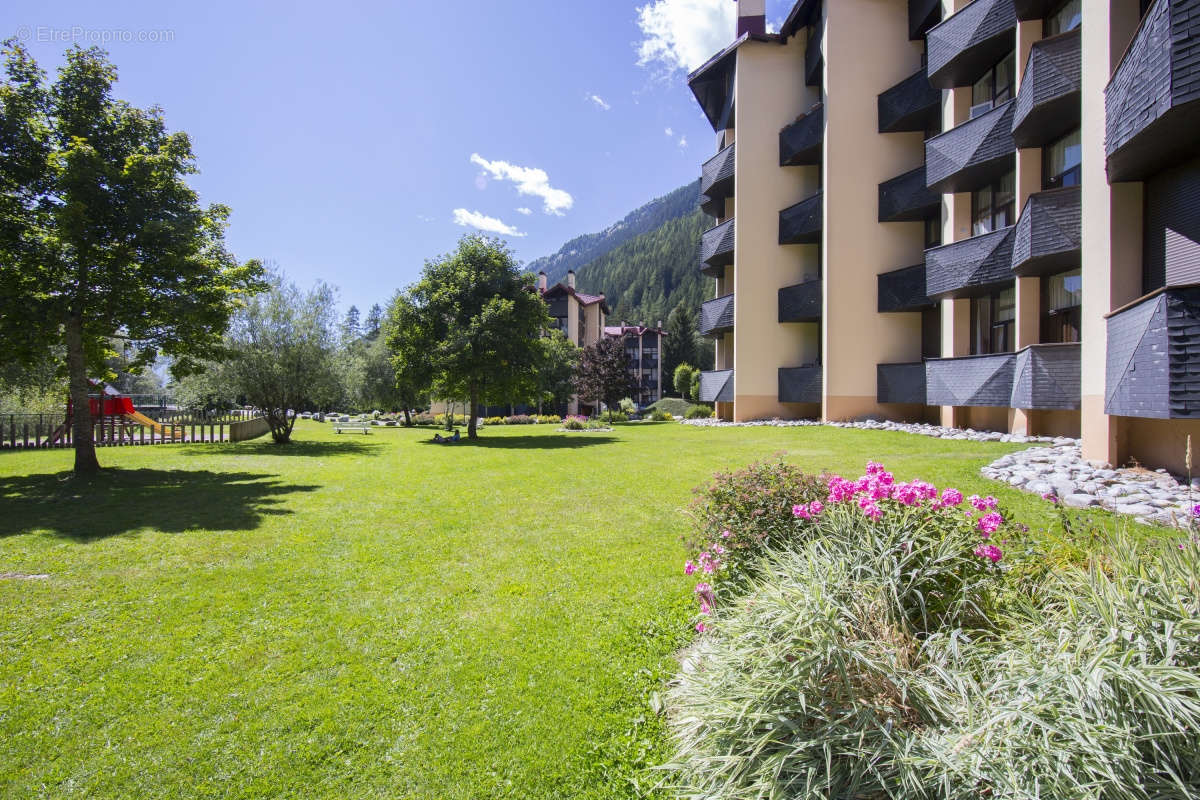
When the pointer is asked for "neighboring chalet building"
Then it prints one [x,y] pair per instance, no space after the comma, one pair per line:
[643,348]
[578,315]
[944,209]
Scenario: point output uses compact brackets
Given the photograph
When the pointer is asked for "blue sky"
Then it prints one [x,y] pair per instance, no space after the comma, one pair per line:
[354,141]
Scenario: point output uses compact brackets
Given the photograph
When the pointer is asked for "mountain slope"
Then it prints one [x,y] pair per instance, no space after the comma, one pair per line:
[591,246]
[648,276]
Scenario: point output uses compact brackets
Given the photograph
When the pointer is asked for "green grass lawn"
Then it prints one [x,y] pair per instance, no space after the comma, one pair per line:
[370,616]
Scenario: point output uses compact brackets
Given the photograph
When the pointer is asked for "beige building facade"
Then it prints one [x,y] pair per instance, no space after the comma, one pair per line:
[981,213]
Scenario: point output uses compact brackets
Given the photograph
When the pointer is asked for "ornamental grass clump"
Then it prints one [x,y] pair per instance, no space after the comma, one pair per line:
[886,649]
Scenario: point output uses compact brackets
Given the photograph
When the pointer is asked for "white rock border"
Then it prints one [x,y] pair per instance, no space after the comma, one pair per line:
[918,428]
[1150,497]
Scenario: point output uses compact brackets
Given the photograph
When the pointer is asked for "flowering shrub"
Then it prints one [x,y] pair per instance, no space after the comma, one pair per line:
[698,412]
[549,419]
[942,544]
[658,415]
[520,419]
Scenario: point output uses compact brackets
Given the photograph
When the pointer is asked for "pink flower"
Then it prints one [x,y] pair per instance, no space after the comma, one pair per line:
[718,549]
[689,568]
[815,507]
[983,503]
[801,511]
[906,494]
[708,567]
[950,497]
[725,534]
[989,551]
[703,588]
[1196,510]
[840,489]
[701,627]
[990,523]
[872,511]
[1051,496]
[874,467]
[705,608]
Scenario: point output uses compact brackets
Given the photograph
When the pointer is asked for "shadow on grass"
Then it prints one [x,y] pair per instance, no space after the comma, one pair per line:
[119,501]
[566,441]
[304,449]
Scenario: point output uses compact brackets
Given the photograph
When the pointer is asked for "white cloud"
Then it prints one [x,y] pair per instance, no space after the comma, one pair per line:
[669,132]
[525,212]
[683,141]
[424,218]
[683,34]
[530,181]
[598,100]
[474,219]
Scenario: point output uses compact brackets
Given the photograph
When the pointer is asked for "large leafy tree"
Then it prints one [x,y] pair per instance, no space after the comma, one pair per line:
[409,341]
[477,319]
[603,372]
[100,235]
[282,348]
[554,379]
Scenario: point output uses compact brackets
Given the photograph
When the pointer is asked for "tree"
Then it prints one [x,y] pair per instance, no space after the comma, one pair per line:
[282,345]
[100,235]
[409,343]
[682,380]
[555,373]
[479,319]
[603,373]
[351,331]
[694,388]
[374,323]
[679,345]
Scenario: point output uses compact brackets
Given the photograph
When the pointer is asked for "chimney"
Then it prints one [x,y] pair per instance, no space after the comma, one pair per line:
[752,17]
[542,281]
[570,279]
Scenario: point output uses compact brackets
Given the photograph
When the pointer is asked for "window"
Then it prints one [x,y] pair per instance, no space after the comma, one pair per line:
[995,87]
[992,319]
[1061,162]
[992,207]
[933,232]
[1067,17]
[1062,296]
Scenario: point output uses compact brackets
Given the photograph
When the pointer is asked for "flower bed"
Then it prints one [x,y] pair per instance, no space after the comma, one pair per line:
[894,639]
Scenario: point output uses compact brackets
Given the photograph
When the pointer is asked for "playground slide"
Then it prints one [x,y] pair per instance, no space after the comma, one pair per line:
[142,419]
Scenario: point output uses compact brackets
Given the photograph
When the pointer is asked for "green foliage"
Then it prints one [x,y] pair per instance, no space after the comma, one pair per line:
[627,406]
[658,415]
[681,379]
[555,371]
[475,320]
[698,412]
[102,235]
[681,343]
[283,347]
[694,389]
[674,406]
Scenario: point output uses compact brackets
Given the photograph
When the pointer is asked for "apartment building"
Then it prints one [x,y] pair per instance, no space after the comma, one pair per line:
[643,349]
[981,213]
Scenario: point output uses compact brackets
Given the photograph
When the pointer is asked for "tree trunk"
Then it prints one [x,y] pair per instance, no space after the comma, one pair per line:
[407,418]
[281,432]
[471,411]
[85,447]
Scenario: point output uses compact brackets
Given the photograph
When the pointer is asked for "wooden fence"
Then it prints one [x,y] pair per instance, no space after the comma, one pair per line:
[48,430]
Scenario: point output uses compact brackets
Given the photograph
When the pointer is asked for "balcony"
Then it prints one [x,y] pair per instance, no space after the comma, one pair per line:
[1041,376]
[716,182]
[900,383]
[923,15]
[906,198]
[973,154]
[970,267]
[716,249]
[800,143]
[1152,103]
[716,316]
[967,44]
[814,59]
[1034,9]
[911,105]
[1046,376]
[801,223]
[1047,104]
[904,290]
[801,302]
[716,386]
[970,381]
[800,384]
[1153,367]
[1047,234]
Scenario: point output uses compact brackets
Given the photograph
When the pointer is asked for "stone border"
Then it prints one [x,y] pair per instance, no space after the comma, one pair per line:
[917,428]
[1150,497]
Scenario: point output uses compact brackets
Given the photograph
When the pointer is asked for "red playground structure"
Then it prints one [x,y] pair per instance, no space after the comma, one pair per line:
[114,413]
